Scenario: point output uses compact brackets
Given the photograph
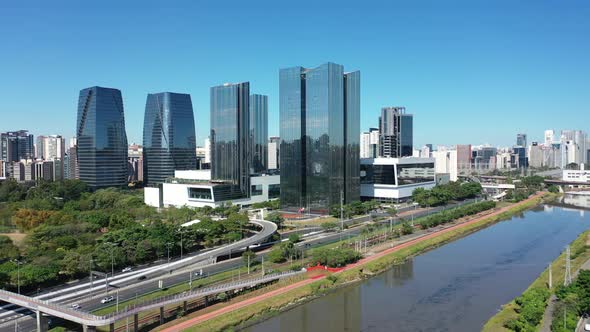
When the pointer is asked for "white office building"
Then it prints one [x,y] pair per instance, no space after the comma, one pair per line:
[195,188]
[395,179]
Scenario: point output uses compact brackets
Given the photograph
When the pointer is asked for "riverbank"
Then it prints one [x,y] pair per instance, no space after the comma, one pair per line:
[266,306]
[579,255]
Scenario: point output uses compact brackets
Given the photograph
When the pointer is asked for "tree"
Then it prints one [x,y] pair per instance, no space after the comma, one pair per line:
[335,257]
[7,249]
[294,238]
[248,257]
[553,188]
[276,217]
[407,229]
[329,226]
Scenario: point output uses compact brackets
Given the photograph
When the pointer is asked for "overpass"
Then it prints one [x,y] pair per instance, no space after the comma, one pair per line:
[139,277]
[90,321]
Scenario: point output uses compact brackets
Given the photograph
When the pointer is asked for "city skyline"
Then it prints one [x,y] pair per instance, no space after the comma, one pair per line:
[524,86]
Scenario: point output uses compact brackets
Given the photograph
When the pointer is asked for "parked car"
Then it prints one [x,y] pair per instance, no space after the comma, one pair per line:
[107,299]
[75,306]
[587,327]
[127,269]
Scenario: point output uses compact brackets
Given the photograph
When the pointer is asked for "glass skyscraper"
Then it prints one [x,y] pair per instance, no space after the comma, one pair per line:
[101,137]
[259,133]
[319,115]
[16,145]
[230,137]
[169,141]
[395,132]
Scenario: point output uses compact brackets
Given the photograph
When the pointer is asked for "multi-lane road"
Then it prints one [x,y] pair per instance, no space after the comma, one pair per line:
[143,280]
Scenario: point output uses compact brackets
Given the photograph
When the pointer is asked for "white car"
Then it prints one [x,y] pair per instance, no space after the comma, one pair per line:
[127,269]
[75,306]
[107,299]
[587,327]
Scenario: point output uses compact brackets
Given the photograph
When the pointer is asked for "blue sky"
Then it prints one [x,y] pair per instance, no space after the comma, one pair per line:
[470,71]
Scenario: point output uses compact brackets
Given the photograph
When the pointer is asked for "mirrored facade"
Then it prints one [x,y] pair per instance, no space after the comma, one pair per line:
[320,111]
[395,132]
[259,133]
[230,136]
[102,141]
[169,141]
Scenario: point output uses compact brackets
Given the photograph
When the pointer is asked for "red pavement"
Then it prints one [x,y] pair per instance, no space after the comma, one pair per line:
[262,297]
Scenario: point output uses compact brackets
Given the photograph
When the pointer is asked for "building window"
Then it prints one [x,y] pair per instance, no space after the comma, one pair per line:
[199,193]
[256,190]
[415,173]
[378,174]
[274,191]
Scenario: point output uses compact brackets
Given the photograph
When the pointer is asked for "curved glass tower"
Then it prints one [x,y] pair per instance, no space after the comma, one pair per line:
[169,141]
[102,141]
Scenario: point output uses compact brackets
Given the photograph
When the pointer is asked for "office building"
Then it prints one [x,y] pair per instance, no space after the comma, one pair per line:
[394,179]
[169,141]
[521,140]
[395,133]
[258,133]
[274,144]
[50,147]
[484,158]
[464,156]
[535,154]
[230,139]
[16,146]
[549,137]
[320,131]
[195,188]
[101,138]
[369,143]
[447,162]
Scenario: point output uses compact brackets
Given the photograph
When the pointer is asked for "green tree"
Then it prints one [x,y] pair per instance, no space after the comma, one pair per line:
[276,217]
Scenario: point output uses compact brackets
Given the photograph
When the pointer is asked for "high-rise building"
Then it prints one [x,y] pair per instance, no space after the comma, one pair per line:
[101,138]
[73,170]
[274,144]
[16,145]
[521,140]
[535,153]
[259,133]
[320,131]
[169,141]
[464,158]
[396,132]
[549,137]
[230,139]
[369,143]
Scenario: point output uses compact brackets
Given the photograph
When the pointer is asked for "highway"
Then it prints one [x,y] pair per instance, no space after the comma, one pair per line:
[129,286]
[129,283]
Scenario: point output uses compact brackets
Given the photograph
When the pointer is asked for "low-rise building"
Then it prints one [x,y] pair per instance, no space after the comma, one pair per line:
[395,179]
[573,175]
[195,188]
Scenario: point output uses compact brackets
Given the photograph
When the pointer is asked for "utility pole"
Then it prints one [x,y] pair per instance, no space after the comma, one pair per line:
[90,271]
[168,246]
[263,266]
[248,264]
[18,263]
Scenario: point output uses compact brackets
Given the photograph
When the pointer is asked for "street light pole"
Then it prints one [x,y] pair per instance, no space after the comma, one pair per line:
[18,263]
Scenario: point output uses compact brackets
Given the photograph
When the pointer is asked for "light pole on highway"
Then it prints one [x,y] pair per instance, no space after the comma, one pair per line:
[18,263]
[181,231]
[168,246]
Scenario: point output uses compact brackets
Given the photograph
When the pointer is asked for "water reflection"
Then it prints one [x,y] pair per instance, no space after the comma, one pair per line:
[456,287]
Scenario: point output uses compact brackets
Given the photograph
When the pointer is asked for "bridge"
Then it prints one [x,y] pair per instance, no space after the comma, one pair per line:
[90,321]
[141,277]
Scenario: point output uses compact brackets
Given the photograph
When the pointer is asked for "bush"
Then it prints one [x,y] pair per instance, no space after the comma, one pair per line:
[336,257]
[450,215]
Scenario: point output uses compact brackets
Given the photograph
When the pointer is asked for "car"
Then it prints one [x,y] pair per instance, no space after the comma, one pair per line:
[127,269]
[75,306]
[141,278]
[587,327]
[107,299]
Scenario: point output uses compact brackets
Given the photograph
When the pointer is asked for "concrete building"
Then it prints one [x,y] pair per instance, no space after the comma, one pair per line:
[274,144]
[196,189]
[369,146]
[464,158]
[446,161]
[535,153]
[549,137]
[582,175]
[395,179]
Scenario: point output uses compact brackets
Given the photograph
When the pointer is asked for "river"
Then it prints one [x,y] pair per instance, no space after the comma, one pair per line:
[456,287]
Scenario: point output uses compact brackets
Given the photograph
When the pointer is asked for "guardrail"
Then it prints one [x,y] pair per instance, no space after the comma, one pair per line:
[88,319]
